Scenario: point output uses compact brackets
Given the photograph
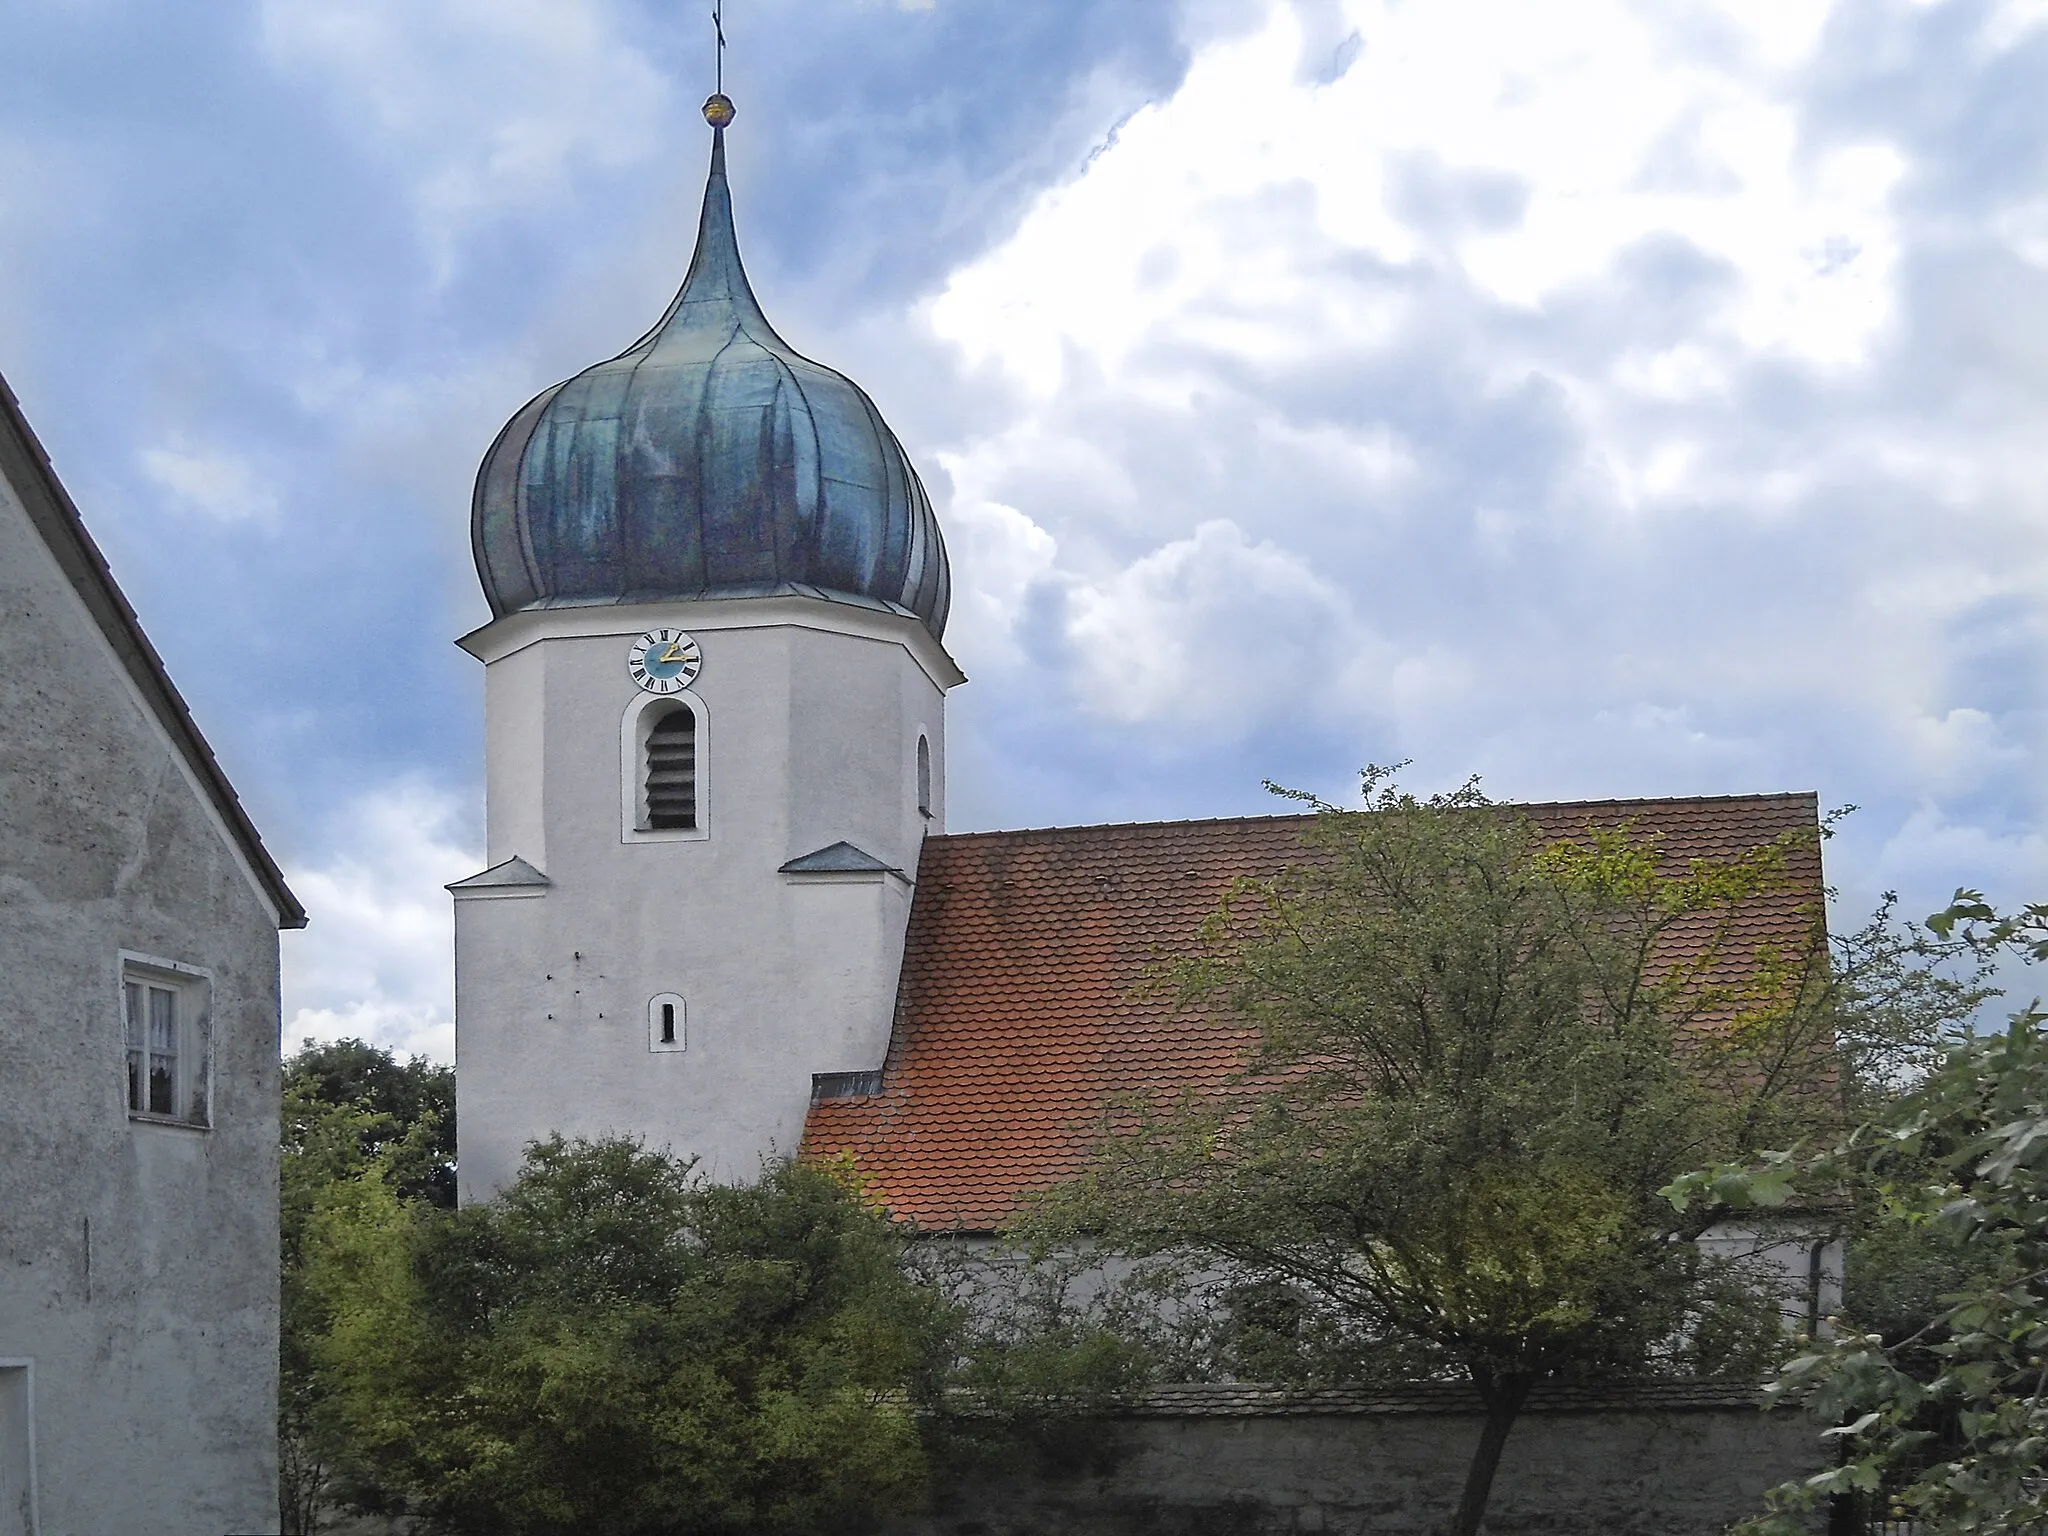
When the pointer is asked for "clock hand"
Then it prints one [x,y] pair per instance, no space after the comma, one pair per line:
[673,656]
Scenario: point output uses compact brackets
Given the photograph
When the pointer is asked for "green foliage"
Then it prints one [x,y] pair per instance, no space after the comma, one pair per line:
[356,1125]
[410,1102]
[1479,1061]
[1045,1352]
[614,1347]
[1971,918]
[1936,1375]
[1472,1079]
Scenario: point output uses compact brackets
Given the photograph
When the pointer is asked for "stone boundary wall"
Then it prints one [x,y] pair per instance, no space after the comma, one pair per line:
[1656,1459]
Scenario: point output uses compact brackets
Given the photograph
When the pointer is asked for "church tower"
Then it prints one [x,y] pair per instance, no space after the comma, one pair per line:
[714,736]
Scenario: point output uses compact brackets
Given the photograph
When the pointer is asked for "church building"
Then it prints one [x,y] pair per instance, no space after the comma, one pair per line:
[722,911]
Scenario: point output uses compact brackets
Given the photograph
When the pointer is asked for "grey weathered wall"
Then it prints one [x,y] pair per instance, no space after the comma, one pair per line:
[1671,1460]
[1658,1463]
[138,1261]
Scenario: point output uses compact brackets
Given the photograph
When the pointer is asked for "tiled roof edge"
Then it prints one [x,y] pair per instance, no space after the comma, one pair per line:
[1234,1400]
[56,518]
[1279,818]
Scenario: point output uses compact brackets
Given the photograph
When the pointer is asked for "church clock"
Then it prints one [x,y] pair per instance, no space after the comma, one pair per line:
[664,661]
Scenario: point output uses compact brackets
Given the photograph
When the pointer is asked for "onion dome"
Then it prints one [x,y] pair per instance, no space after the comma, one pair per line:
[709,459]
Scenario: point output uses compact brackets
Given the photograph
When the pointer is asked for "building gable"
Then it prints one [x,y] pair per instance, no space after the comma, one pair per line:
[26,470]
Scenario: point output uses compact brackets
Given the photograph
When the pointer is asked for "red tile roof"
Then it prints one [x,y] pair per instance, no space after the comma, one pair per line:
[1019,1012]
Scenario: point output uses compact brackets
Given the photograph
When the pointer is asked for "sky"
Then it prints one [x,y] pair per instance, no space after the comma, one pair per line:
[1604,397]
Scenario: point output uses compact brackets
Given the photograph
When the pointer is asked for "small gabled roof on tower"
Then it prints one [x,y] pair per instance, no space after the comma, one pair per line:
[840,858]
[27,469]
[509,874]
[709,459]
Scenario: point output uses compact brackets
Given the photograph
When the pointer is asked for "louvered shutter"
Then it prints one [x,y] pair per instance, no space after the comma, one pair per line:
[672,773]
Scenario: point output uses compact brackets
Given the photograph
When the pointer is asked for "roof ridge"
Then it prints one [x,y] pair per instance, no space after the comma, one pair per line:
[1277,817]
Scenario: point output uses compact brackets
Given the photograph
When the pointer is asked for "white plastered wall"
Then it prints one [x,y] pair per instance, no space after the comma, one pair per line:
[812,713]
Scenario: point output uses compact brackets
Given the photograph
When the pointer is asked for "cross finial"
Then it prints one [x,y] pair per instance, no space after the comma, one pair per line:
[718,110]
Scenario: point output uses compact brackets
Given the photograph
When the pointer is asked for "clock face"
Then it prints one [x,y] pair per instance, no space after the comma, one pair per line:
[664,661]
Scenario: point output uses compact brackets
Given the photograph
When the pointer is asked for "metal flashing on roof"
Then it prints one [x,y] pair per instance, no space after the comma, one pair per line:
[737,590]
[840,858]
[513,875]
[797,608]
[26,466]
[845,1085]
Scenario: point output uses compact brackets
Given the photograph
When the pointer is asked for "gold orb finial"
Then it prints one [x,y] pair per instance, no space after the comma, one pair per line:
[718,110]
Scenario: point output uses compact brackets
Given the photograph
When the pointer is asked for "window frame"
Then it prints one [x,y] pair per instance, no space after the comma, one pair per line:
[655,1044]
[192,988]
[634,728]
[18,1398]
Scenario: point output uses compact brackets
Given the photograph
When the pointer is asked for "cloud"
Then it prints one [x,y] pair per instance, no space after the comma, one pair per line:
[2009,22]
[488,105]
[213,482]
[1528,166]
[998,557]
[376,961]
[1588,394]
[1195,631]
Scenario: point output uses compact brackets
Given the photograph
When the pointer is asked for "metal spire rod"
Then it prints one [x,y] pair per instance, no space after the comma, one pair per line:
[718,27]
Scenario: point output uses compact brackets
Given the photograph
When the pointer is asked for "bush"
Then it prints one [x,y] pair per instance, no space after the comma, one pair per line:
[615,1347]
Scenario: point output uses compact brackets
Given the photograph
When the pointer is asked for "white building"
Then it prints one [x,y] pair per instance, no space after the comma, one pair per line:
[139,1058]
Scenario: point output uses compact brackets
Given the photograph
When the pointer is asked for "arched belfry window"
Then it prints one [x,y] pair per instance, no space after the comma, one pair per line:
[665,752]
[924,777]
[671,773]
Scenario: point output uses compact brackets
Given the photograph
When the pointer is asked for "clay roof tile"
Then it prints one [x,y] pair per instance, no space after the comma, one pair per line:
[1020,1013]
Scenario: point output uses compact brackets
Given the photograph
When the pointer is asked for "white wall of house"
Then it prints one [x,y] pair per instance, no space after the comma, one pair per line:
[1799,1255]
[810,713]
[138,1256]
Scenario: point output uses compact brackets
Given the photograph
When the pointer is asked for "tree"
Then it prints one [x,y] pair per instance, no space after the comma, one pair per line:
[1479,1059]
[409,1102]
[614,1347]
[351,1112]
[1935,1378]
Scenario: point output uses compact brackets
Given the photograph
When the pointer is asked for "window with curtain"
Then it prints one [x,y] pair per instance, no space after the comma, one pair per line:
[164,1015]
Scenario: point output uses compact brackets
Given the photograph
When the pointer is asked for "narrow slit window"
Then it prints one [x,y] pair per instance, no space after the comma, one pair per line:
[924,777]
[672,773]
[665,1022]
